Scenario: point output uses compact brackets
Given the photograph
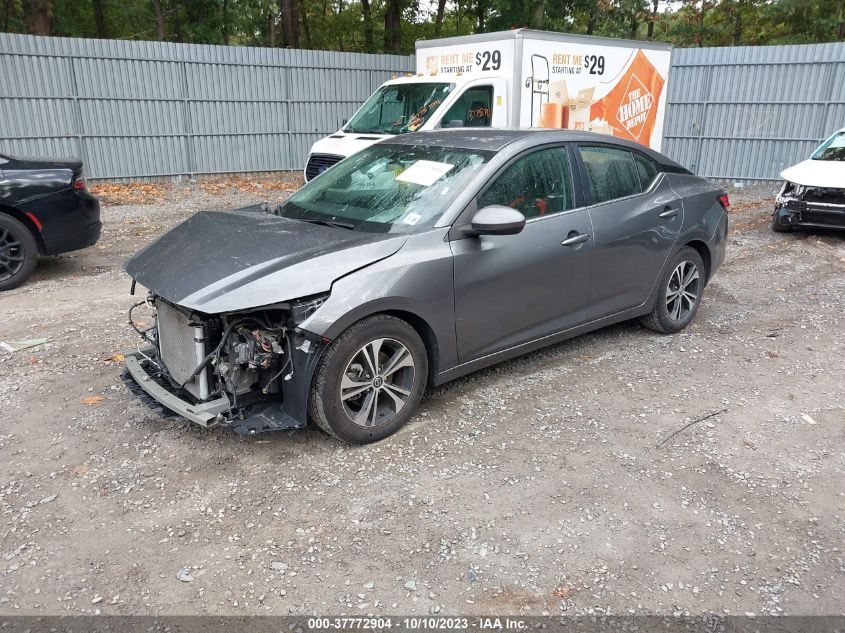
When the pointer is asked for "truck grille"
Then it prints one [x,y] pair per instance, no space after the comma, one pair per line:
[178,349]
[318,163]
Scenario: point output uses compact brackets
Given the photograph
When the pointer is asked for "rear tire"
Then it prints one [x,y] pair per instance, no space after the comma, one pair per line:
[369,381]
[679,295]
[18,252]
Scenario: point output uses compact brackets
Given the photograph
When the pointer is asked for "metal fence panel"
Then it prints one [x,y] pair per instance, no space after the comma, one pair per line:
[139,109]
[144,109]
[747,113]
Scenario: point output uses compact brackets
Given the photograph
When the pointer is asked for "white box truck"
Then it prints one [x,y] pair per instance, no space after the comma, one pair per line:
[520,78]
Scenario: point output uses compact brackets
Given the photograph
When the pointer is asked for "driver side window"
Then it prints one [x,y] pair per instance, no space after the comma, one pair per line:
[472,109]
[537,184]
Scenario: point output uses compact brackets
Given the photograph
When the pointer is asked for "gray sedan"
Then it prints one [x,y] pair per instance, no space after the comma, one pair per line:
[414,262]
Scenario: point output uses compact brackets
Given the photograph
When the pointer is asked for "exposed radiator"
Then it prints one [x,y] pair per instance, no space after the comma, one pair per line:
[182,348]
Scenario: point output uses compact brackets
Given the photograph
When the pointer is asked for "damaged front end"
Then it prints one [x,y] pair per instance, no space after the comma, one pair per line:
[251,370]
[820,207]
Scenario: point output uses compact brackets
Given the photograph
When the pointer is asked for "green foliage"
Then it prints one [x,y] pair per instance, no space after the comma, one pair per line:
[340,24]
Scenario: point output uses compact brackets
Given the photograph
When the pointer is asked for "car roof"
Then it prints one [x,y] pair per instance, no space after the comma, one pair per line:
[496,139]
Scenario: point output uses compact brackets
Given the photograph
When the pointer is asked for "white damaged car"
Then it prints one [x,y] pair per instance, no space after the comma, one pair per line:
[813,192]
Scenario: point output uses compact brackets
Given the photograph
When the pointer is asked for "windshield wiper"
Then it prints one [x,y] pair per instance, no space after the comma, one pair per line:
[332,223]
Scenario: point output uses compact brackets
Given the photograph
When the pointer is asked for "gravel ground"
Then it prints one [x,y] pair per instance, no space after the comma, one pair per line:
[541,485]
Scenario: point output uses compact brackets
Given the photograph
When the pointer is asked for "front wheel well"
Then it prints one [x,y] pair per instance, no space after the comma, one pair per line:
[24,219]
[426,334]
[704,252]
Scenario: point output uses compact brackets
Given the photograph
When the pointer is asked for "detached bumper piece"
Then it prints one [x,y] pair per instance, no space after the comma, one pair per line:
[816,207]
[258,418]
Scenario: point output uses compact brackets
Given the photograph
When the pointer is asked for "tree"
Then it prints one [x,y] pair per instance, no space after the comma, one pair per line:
[369,43]
[159,18]
[290,23]
[392,27]
[100,19]
[438,19]
[39,16]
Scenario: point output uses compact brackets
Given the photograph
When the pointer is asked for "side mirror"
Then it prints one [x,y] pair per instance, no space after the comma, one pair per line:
[497,220]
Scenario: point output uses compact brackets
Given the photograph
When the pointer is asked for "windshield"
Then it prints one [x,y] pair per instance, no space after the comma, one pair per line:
[832,149]
[398,108]
[387,188]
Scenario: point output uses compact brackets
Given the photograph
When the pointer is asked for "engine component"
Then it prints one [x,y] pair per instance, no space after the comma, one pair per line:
[257,348]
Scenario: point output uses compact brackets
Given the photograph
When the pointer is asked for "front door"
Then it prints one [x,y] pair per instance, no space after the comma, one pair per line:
[512,289]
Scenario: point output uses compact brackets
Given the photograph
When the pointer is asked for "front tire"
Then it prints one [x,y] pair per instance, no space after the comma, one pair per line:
[18,252]
[778,226]
[681,288]
[370,380]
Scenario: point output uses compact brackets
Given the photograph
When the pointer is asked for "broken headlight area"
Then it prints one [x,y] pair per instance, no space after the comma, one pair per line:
[811,206]
[247,370]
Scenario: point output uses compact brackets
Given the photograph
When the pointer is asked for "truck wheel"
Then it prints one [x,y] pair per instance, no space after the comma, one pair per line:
[18,252]
[370,380]
[680,293]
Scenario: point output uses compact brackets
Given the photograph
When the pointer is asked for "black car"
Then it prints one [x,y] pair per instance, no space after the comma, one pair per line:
[45,209]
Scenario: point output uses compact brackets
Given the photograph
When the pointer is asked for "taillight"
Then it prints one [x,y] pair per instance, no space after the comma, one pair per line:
[79,182]
[725,201]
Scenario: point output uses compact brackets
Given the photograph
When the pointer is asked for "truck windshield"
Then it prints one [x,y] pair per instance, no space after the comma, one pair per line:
[386,188]
[832,149]
[398,108]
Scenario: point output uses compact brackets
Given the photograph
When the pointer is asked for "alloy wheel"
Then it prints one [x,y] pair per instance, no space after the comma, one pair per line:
[377,382]
[12,255]
[682,291]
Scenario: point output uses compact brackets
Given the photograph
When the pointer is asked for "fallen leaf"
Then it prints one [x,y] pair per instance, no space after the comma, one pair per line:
[561,592]
[80,470]
[118,358]
[93,400]
[773,353]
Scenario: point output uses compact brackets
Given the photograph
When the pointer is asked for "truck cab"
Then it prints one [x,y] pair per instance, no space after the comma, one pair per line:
[411,104]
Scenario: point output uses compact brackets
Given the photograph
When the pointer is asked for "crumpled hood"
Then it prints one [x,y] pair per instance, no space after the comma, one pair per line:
[228,261]
[817,173]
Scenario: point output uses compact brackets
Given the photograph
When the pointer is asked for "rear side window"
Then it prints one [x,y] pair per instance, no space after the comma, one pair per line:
[611,172]
[537,184]
[647,169]
[472,108]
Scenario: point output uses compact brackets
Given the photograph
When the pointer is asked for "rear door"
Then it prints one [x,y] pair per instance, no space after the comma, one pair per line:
[511,289]
[636,218]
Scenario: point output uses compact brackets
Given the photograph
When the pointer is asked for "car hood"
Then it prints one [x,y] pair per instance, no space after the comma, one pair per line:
[817,173]
[218,262]
[341,144]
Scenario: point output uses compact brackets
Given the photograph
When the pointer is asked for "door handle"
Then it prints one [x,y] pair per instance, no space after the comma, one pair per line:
[575,238]
[670,212]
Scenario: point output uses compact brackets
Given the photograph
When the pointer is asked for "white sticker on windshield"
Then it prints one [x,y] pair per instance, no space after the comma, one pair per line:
[411,218]
[424,172]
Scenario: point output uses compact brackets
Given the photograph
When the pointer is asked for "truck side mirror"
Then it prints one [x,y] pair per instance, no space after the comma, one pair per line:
[497,220]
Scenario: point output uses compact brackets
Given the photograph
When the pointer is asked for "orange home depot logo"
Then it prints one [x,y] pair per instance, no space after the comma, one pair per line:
[635,107]
[631,105]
